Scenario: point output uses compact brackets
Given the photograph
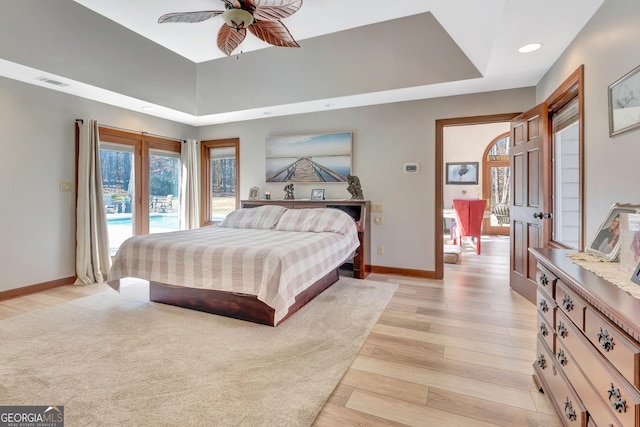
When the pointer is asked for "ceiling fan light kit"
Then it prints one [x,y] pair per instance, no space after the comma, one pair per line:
[261,17]
[237,18]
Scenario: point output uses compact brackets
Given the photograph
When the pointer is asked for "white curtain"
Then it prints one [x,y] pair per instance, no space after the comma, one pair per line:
[93,260]
[190,192]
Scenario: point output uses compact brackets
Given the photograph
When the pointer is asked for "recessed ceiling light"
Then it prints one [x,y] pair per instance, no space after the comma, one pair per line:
[530,48]
[147,108]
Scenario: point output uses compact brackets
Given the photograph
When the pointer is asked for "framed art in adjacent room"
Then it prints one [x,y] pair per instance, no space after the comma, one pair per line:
[462,173]
[317,194]
[624,104]
[320,157]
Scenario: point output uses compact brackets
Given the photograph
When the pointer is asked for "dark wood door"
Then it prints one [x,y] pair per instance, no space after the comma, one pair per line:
[530,182]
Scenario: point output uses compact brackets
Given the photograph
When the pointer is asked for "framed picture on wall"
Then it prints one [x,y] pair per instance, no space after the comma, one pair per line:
[315,158]
[462,173]
[624,104]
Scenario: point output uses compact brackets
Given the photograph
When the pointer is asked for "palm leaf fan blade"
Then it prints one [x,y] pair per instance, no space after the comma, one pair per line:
[189,17]
[275,10]
[229,38]
[273,32]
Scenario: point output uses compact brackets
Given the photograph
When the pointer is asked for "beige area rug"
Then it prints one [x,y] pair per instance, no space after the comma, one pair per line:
[117,359]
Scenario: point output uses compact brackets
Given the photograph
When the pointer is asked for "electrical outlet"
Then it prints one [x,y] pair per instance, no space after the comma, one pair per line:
[380,250]
[64,185]
[378,220]
[377,207]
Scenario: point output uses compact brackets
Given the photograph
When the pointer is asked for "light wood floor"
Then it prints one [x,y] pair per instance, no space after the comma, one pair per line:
[456,352]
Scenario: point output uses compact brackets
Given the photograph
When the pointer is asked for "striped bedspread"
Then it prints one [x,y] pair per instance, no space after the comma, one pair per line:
[274,265]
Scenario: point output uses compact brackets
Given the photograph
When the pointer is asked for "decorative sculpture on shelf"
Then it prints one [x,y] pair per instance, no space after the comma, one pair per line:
[288,192]
[354,187]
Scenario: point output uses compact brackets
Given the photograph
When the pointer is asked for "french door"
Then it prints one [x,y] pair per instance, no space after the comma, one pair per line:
[496,185]
[530,209]
[141,184]
[547,180]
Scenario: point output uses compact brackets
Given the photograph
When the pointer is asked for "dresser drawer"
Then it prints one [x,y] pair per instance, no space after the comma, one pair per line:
[557,388]
[546,332]
[546,307]
[570,303]
[622,399]
[597,408]
[547,281]
[614,344]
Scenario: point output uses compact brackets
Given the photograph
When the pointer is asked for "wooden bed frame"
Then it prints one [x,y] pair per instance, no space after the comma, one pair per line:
[232,304]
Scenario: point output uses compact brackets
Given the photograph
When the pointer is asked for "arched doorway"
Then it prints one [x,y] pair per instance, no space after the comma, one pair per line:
[496,189]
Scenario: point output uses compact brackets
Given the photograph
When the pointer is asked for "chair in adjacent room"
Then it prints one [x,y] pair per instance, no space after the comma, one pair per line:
[502,213]
[469,216]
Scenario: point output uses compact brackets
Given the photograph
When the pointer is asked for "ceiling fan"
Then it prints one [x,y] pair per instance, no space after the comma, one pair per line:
[261,17]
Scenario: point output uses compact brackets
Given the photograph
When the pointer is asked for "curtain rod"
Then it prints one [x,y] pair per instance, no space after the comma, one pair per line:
[81,121]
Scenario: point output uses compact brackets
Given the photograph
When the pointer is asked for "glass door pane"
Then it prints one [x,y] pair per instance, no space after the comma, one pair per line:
[499,195]
[118,184]
[164,191]
[223,182]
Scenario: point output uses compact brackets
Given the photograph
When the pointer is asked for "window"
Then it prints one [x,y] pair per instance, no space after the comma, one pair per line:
[141,182]
[566,175]
[220,172]
[566,117]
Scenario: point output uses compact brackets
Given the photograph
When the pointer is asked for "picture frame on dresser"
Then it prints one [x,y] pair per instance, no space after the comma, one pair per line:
[606,243]
[635,277]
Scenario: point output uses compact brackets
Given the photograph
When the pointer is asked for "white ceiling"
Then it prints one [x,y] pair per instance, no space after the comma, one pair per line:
[489,32]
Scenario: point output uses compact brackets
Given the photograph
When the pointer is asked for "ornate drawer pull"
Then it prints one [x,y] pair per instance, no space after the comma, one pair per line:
[543,330]
[542,362]
[618,403]
[562,358]
[567,303]
[562,329]
[543,280]
[544,306]
[568,411]
[606,342]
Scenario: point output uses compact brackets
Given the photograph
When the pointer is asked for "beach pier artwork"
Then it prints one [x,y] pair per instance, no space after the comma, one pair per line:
[309,158]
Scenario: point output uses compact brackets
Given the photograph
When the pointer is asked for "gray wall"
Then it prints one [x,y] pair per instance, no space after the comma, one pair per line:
[384,138]
[608,47]
[37,142]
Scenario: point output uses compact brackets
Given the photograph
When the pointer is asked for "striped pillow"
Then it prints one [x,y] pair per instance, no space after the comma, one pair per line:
[262,217]
[316,220]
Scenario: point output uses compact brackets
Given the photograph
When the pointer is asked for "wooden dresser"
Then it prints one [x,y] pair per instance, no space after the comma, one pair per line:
[588,345]
[360,211]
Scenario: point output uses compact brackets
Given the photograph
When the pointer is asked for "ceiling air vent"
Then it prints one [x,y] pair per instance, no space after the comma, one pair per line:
[51,82]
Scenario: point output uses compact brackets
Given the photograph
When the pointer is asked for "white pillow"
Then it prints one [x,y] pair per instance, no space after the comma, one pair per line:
[263,217]
[317,220]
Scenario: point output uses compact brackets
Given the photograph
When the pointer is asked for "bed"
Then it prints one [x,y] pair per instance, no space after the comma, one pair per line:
[260,264]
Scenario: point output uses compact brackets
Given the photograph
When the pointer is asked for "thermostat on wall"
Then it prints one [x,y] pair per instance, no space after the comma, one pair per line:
[411,168]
